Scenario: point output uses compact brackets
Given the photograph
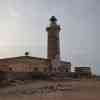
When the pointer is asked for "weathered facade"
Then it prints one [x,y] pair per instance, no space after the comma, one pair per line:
[24,67]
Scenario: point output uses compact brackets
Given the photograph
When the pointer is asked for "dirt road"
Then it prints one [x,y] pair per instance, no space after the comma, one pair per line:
[44,90]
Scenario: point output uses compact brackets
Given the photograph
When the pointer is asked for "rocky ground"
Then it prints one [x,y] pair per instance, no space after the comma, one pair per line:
[52,90]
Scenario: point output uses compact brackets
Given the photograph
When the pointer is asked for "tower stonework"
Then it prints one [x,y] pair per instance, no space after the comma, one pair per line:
[53,39]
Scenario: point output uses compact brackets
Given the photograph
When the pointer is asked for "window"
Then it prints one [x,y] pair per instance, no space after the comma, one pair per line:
[45,69]
[10,69]
[36,69]
[66,70]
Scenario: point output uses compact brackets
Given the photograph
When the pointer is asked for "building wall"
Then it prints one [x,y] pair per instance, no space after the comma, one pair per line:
[28,67]
[65,66]
[83,72]
[23,68]
[4,67]
[60,66]
[83,69]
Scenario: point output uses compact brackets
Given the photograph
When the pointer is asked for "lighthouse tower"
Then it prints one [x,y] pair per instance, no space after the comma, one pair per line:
[53,39]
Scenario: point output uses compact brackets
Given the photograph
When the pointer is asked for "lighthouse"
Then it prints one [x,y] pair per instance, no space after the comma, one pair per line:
[53,39]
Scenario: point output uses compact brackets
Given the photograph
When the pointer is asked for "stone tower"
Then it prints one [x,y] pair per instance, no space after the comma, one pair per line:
[53,39]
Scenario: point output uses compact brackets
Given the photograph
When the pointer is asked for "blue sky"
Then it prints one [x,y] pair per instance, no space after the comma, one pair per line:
[23,23]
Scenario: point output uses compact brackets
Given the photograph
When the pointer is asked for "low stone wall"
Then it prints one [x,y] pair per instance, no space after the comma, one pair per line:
[22,76]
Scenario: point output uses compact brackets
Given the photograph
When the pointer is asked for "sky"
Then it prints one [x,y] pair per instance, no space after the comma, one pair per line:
[23,24]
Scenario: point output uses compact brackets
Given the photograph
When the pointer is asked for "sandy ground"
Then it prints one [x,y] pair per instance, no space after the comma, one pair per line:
[59,90]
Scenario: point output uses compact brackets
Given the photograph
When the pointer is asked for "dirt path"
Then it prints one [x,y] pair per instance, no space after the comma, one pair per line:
[23,87]
[68,90]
